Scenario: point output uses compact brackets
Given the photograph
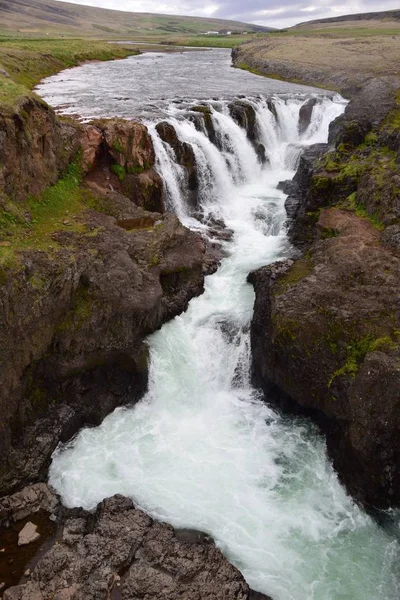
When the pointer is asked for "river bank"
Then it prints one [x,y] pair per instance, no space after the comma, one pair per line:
[332,320]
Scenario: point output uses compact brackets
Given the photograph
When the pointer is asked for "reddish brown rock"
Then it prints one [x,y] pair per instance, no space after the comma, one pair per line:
[129,144]
[35,147]
[91,141]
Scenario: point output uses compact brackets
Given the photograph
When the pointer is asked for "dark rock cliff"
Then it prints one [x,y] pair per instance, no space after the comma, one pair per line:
[326,329]
[86,273]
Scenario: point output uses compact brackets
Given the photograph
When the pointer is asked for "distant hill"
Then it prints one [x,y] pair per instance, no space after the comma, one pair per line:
[63,18]
[384,18]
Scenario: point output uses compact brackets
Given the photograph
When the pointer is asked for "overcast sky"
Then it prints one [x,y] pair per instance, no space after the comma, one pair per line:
[274,13]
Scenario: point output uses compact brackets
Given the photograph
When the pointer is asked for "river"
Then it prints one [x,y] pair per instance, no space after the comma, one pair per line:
[203,449]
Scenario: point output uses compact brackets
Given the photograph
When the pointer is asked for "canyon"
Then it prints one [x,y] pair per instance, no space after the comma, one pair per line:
[156,206]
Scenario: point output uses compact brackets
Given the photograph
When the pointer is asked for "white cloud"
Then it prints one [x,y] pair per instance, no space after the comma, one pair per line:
[274,13]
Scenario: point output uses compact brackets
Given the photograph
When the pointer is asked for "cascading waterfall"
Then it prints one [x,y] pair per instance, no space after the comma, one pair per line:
[202,449]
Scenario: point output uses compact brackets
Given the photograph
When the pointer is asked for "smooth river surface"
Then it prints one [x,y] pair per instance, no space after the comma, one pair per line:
[203,449]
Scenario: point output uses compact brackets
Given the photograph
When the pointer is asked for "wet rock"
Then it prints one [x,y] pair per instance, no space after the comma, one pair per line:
[257,596]
[305,115]
[26,502]
[28,534]
[245,116]
[121,546]
[91,141]
[299,189]
[192,536]
[184,157]
[203,122]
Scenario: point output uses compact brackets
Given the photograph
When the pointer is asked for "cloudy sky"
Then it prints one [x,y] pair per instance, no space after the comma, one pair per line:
[274,13]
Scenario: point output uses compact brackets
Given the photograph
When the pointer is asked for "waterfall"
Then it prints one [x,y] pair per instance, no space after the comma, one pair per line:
[203,449]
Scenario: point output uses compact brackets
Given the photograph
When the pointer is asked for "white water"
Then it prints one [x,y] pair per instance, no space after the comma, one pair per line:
[202,449]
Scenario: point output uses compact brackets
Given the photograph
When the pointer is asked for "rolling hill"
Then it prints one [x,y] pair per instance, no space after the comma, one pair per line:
[379,22]
[50,17]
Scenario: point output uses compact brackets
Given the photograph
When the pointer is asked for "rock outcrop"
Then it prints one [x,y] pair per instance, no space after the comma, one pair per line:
[244,115]
[120,552]
[35,147]
[86,273]
[325,333]
[184,156]
[73,324]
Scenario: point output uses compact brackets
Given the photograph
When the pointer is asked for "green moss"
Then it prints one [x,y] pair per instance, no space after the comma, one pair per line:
[331,164]
[118,146]
[357,351]
[320,183]
[329,232]
[80,313]
[371,138]
[154,261]
[54,210]
[360,210]
[119,171]
[255,71]
[136,170]
[205,110]
[300,269]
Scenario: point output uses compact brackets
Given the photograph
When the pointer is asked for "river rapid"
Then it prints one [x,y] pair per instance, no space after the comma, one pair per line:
[203,449]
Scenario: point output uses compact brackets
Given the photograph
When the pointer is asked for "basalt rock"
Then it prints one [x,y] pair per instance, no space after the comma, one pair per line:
[244,115]
[120,552]
[145,189]
[325,335]
[184,156]
[305,114]
[129,144]
[72,323]
[203,122]
[299,200]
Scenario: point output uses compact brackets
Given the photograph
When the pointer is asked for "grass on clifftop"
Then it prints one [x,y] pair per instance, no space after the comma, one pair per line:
[54,210]
[29,61]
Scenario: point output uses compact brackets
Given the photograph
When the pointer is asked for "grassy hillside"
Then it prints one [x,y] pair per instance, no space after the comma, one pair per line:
[359,25]
[41,17]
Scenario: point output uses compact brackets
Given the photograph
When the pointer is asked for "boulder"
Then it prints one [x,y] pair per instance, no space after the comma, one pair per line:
[129,144]
[28,534]
[121,550]
[305,114]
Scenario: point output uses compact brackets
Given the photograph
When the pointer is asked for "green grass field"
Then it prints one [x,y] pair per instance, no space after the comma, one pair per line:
[339,32]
